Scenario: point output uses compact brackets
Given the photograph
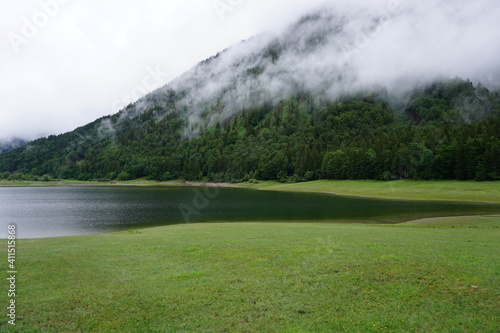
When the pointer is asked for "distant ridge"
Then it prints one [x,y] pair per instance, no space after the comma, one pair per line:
[8,145]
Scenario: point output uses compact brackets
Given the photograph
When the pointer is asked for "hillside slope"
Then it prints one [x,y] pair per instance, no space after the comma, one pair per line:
[287,107]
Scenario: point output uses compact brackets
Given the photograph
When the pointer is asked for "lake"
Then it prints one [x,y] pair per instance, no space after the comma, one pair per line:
[40,212]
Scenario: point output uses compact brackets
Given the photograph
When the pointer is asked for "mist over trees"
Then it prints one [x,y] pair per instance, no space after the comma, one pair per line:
[447,130]
[8,145]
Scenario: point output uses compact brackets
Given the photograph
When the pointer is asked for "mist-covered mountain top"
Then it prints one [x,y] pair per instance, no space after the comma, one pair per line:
[312,56]
[330,53]
[363,90]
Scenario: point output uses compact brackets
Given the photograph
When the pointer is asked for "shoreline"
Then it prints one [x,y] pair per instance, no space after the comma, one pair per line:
[438,221]
[384,198]
[452,191]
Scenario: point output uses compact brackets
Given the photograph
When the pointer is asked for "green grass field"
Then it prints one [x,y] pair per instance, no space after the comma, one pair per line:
[414,190]
[433,275]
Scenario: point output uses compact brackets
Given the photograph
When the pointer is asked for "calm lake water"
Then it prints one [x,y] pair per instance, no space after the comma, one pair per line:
[62,211]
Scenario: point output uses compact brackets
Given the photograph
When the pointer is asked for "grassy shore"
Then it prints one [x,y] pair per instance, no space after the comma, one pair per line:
[433,275]
[470,191]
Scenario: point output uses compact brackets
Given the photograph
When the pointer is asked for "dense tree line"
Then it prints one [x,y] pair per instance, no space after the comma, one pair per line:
[449,130]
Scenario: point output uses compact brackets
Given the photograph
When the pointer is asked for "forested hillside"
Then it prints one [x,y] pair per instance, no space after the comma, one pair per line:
[447,130]
[291,107]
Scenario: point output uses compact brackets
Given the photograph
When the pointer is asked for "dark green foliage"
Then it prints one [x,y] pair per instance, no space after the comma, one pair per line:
[335,165]
[19,176]
[445,131]
[255,71]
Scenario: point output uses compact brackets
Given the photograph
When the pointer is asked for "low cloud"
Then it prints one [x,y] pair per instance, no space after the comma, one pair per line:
[339,50]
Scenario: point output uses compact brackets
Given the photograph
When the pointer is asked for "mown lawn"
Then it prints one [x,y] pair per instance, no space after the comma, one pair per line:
[433,275]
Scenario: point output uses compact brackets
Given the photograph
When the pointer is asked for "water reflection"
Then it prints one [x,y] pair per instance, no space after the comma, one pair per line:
[61,211]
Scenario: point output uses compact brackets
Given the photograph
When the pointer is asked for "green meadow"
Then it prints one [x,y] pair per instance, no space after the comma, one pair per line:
[433,275]
[429,275]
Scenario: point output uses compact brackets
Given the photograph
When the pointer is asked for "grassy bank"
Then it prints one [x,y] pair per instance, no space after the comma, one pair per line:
[413,190]
[425,276]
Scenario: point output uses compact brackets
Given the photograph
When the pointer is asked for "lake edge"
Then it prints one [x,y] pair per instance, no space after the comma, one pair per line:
[385,190]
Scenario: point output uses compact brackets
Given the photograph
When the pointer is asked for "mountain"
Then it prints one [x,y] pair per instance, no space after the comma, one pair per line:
[290,106]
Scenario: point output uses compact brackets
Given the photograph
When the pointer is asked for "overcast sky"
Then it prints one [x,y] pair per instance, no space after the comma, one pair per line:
[64,63]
